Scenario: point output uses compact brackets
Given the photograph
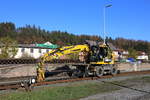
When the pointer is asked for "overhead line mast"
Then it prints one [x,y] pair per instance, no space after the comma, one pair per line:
[104,19]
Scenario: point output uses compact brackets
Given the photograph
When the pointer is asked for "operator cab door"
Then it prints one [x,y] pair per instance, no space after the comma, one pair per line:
[98,53]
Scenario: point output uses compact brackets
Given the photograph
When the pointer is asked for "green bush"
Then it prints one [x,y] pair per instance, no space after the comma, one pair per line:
[8,48]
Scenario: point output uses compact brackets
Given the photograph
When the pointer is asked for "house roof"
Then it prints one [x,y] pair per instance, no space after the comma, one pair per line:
[28,46]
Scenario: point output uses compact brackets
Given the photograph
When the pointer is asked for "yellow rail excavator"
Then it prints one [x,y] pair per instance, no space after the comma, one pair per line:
[94,58]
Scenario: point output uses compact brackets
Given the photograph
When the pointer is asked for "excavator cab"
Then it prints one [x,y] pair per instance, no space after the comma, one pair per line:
[99,52]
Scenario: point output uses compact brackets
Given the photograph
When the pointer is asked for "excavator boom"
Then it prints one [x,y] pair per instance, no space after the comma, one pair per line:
[56,54]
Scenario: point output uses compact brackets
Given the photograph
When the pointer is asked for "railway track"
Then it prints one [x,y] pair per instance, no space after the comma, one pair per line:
[9,86]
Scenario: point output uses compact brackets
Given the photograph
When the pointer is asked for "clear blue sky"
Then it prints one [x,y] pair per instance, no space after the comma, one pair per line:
[126,18]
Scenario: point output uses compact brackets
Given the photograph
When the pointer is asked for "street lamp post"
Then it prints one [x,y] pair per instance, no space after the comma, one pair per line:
[104,15]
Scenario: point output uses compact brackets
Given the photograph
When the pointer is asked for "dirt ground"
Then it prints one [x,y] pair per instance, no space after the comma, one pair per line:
[127,67]
[20,70]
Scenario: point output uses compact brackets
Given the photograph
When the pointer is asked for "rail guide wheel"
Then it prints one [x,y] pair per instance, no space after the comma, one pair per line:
[99,71]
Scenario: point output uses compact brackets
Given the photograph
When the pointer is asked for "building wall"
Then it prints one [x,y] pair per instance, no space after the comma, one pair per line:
[31,52]
[143,57]
[116,54]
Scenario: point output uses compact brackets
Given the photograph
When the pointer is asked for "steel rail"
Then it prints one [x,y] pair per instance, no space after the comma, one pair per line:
[66,80]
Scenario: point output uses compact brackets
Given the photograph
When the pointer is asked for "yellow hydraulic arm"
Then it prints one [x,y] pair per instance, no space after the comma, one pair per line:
[56,54]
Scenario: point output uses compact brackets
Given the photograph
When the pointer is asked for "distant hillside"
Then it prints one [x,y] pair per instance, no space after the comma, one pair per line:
[33,34]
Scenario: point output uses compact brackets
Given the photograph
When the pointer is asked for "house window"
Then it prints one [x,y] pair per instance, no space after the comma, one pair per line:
[31,50]
[40,50]
[22,50]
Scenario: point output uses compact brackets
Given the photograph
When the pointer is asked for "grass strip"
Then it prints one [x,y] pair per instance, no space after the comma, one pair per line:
[69,92]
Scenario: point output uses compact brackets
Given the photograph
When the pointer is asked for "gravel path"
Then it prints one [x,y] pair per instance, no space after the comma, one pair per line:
[123,94]
[135,90]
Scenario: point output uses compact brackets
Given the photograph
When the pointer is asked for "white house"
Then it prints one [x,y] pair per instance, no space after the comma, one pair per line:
[142,56]
[32,50]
